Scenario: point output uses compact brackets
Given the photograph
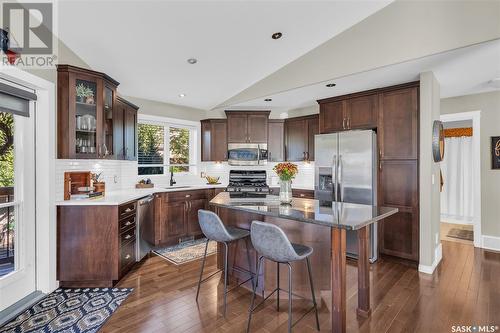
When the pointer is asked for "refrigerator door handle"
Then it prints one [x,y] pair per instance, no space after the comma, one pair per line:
[334,179]
[341,179]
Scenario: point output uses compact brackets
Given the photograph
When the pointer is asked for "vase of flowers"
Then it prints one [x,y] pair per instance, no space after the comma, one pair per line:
[286,172]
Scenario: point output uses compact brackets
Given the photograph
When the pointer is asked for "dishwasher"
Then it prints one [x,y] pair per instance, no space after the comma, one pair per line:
[145,220]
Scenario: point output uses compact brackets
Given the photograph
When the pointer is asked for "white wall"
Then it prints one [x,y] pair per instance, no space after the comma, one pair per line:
[489,105]
[429,196]
[402,31]
[160,109]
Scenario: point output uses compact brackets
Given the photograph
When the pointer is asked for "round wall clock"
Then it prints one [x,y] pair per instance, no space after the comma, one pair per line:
[438,141]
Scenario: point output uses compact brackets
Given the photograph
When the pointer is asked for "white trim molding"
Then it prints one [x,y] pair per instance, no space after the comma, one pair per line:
[490,243]
[438,255]
[475,116]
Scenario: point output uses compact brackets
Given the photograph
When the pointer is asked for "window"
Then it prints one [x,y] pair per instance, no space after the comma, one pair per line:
[165,147]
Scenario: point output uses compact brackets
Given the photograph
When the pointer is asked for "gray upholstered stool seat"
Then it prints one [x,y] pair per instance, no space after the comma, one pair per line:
[302,251]
[213,229]
[271,243]
[237,233]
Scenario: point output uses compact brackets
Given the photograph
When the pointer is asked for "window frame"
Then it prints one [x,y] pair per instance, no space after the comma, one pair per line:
[167,123]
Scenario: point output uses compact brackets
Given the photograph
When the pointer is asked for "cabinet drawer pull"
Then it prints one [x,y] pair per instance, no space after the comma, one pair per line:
[128,237]
[188,195]
[302,195]
[127,256]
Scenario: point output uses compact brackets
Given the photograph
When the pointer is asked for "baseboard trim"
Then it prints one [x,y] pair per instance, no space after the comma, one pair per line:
[438,255]
[490,243]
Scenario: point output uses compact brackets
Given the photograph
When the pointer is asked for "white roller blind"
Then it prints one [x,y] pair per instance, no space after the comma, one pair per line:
[15,100]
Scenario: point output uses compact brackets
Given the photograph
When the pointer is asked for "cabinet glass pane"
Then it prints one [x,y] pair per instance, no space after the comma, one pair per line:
[86,117]
[108,121]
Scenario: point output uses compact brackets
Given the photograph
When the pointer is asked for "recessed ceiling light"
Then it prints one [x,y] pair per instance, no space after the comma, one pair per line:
[276,35]
[182,95]
[268,100]
[329,85]
[192,61]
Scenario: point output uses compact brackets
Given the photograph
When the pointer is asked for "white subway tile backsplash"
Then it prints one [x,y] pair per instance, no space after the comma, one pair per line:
[116,174]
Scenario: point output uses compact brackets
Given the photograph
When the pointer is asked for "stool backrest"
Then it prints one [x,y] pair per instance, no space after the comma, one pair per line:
[271,242]
[212,226]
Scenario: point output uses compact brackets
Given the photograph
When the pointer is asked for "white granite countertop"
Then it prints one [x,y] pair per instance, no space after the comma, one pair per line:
[113,198]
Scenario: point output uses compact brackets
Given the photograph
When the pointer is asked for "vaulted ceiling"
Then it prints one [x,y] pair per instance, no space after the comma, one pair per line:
[145,44]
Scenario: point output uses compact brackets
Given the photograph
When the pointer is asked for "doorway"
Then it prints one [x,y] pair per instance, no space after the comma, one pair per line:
[460,179]
[17,193]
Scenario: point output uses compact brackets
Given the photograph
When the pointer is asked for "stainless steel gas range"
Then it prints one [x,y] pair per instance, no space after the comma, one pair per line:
[247,183]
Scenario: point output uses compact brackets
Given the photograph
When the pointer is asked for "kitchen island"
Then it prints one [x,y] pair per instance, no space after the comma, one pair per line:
[321,225]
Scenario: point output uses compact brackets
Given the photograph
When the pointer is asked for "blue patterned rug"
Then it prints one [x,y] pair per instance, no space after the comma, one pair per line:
[69,311]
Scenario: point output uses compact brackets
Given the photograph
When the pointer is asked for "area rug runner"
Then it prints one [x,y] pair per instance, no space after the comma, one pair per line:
[186,251]
[69,310]
[461,234]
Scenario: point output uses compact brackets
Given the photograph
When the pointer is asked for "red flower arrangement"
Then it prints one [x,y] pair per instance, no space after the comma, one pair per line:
[286,170]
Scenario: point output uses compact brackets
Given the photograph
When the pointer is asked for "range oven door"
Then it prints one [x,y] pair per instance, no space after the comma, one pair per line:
[243,154]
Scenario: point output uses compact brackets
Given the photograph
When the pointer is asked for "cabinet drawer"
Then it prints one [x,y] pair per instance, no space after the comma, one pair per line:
[127,209]
[127,236]
[187,195]
[127,223]
[127,255]
[307,194]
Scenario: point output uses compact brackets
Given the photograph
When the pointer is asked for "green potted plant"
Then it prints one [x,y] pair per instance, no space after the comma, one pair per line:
[84,94]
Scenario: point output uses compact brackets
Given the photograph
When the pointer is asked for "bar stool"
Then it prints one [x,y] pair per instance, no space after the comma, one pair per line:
[213,229]
[272,244]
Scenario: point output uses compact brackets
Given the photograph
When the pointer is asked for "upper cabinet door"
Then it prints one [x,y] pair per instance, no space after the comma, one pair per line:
[398,124]
[296,139]
[276,141]
[257,127]
[219,140]
[130,133]
[237,128]
[118,130]
[362,112]
[312,130]
[332,117]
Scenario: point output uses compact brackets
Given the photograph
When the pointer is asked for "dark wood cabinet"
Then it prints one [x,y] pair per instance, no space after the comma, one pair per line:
[398,125]
[177,217]
[349,112]
[276,140]
[193,225]
[299,137]
[362,112]
[174,222]
[331,116]
[247,126]
[214,140]
[105,251]
[92,121]
[394,112]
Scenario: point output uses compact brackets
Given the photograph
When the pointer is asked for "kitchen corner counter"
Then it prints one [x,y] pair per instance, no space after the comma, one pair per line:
[119,197]
[340,215]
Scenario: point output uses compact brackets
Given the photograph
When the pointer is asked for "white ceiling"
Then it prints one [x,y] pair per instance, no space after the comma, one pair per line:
[460,72]
[145,44]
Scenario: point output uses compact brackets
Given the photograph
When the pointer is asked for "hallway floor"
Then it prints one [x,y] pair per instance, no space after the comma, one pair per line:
[446,227]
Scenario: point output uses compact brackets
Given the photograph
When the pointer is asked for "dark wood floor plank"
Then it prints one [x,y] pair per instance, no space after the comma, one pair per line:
[464,288]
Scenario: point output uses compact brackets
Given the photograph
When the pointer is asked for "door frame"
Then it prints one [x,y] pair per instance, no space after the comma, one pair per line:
[475,116]
[45,143]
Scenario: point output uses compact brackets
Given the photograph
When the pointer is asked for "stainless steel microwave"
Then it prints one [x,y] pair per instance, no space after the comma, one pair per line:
[247,153]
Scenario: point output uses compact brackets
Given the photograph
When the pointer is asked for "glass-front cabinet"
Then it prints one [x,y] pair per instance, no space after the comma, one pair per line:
[85,113]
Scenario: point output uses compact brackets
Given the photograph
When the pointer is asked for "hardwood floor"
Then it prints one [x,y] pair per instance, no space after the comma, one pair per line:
[464,290]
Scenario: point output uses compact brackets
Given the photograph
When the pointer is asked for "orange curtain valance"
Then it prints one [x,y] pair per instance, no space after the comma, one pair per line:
[457,132]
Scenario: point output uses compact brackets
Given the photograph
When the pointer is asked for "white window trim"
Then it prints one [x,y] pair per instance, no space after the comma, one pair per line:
[194,141]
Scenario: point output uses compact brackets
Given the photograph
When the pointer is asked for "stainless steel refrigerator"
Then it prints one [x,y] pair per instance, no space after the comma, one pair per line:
[346,171]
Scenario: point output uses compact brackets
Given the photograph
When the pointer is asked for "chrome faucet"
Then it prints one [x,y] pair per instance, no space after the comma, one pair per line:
[172,181]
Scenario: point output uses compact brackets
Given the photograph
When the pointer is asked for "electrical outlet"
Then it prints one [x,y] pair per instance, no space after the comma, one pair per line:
[437,238]
[433,179]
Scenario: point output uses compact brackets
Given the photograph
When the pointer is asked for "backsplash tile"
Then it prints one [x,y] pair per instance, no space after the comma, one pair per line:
[116,174]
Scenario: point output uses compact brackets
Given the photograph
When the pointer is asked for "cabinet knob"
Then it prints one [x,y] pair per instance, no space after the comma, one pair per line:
[188,195]
[302,195]
[127,256]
